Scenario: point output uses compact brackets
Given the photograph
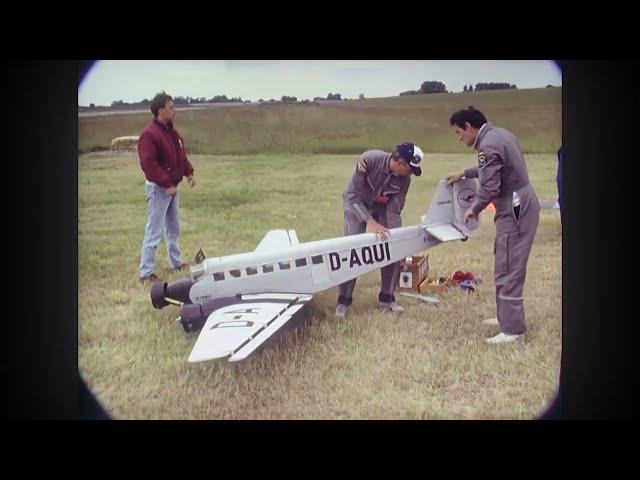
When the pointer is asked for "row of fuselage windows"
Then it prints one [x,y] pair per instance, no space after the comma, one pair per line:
[269,267]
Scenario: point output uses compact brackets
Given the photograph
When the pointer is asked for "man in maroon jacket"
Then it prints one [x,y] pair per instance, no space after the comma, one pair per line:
[164,163]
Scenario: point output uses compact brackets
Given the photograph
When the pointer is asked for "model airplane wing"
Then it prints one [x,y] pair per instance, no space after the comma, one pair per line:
[238,329]
[276,239]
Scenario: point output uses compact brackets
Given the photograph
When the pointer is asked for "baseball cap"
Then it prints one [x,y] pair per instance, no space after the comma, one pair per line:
[413,155]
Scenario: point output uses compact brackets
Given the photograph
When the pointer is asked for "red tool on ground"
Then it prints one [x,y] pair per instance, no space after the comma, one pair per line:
[466,280]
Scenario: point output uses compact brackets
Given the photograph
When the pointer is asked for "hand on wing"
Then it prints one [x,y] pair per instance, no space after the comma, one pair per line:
[378,229]
[454,177]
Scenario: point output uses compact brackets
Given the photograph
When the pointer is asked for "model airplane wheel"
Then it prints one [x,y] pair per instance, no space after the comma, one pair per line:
[191,317]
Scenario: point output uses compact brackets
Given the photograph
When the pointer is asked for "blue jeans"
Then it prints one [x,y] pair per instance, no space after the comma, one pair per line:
[162,218]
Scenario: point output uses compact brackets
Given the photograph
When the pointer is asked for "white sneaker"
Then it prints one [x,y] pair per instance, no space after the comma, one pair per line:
[504,338]
[341,310]
[393,306]
[491,321]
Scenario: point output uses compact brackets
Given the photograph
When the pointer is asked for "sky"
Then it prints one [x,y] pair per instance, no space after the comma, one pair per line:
[134,80]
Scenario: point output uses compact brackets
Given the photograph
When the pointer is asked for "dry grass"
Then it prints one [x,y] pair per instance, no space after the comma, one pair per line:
[533,115]
[430,362]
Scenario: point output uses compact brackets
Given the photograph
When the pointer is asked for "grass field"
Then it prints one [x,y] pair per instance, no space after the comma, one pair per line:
[533,115]
[430,362]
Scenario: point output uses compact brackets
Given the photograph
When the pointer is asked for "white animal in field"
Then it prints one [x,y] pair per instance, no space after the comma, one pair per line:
[124,142]
[241,300]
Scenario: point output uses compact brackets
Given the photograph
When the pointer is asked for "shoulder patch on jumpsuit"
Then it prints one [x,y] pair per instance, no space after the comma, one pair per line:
[362,165]
[482,158]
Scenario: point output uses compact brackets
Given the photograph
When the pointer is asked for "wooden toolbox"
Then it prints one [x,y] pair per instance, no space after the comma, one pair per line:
[437,284]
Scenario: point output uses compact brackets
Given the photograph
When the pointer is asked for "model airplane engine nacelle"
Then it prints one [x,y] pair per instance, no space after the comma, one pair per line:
[192,317]
[177,291]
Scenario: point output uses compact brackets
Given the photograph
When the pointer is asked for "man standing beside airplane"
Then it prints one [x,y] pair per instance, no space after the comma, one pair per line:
[374,199]
[504,181]
[164,162]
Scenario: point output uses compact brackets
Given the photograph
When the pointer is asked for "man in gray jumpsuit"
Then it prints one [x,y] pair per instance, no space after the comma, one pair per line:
[505,182]
[374,198]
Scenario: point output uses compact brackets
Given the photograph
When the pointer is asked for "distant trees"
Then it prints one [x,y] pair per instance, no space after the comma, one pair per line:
[490,86]
[433,87]
[439,87]
[189,100]
[197,100]
[331,96]
[223,99]
[180,100]
[290,100]
[493,86]
[427,87]
[361,96]
[186,100]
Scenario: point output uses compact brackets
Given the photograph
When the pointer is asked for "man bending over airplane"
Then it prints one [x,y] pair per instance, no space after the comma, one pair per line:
[374,198]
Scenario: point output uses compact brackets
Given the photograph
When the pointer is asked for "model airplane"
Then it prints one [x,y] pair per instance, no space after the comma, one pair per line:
[239,301]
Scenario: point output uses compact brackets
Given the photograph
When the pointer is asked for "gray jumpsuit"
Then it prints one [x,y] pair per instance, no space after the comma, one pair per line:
[502,170]
[371,179]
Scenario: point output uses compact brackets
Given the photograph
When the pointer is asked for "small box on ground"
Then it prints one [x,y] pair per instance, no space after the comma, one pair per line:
[414,270]
[437,284]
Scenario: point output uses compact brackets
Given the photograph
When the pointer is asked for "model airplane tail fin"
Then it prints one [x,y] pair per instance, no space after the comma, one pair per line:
[441,208]
[450,203]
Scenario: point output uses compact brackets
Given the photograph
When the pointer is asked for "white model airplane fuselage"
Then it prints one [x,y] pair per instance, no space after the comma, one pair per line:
[306,267]
[282,274]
